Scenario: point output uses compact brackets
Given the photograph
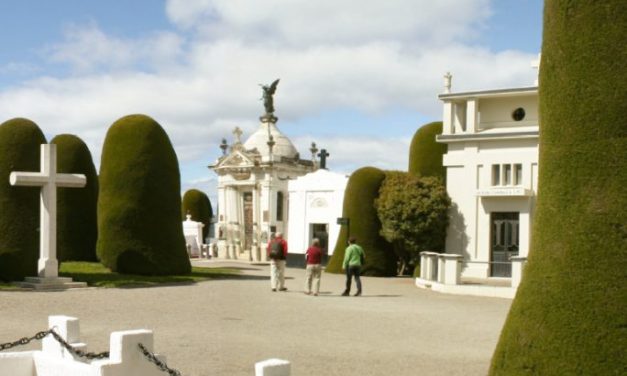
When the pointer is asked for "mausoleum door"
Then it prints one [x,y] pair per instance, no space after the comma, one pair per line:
[320,231]
[504,235]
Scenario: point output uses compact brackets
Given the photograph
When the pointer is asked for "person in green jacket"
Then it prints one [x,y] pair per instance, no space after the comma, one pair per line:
[353,261]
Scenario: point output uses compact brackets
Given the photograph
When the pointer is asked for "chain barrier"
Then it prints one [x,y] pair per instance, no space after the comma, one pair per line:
[153,359]
[67,346]
[82,354]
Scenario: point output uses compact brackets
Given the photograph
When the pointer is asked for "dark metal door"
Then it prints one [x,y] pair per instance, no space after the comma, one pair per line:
[504,242]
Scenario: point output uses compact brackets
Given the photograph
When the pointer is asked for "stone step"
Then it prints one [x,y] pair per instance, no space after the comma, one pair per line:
[50,283]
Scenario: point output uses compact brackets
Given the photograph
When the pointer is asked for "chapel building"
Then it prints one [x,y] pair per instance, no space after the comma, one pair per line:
[491,175]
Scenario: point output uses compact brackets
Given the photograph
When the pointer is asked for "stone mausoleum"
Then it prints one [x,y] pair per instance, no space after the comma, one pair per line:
[252,190]
[491,175]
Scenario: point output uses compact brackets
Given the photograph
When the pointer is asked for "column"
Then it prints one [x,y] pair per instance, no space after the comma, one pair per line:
[447,119]
[472,107]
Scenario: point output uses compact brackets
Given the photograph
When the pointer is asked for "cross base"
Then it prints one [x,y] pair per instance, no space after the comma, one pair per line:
[48,268]
[49,283]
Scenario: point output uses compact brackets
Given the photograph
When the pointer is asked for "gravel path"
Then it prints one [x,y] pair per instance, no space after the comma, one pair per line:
[222,327]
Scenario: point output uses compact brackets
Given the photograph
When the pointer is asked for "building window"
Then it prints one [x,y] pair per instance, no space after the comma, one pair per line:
[279,206]
[496,174]
[518,114]
[518,174]
[507,174]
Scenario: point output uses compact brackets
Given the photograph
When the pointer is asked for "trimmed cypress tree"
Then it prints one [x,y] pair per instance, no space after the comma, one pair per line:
[77,228]
[361,191]
[199,207]
[425,154]
[139,205]
[20,141]
[568,316]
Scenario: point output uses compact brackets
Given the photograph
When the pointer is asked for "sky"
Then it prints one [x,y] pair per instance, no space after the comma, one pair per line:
[358,77]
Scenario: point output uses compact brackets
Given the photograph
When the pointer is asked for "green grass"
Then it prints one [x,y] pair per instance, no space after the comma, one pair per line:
[97,275]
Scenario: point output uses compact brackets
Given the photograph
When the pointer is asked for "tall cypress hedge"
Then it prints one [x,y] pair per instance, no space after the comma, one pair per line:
[361,191]
[569,316]
[139,205]
[77,228]
[199,207]
[425,154]
[20,141]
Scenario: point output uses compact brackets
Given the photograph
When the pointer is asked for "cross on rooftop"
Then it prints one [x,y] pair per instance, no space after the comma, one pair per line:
[48,179]
[323,158]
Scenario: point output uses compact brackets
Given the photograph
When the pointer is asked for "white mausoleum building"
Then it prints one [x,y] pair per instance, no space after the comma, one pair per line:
[491,175]
[253,181]
[316,201]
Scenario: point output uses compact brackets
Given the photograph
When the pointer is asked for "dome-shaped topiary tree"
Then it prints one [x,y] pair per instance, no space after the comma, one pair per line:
[361,191]
[20,141]
[197,204]
[77,228]
[569,314]
[425,154]
[139,204]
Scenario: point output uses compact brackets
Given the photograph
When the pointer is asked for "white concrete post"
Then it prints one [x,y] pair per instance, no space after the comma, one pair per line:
[441,275]
[48,180]
[424,259]
[273,367]
[452,268]
[518,264]
[69,329]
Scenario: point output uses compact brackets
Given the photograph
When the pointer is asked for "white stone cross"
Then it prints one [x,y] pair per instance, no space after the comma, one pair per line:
[48,180]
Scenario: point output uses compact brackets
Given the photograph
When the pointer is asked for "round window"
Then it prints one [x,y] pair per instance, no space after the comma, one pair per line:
[518,114]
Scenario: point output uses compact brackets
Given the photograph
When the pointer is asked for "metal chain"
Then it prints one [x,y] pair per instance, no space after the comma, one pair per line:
[153,359]
[76,352]
[67,346]
[23,341]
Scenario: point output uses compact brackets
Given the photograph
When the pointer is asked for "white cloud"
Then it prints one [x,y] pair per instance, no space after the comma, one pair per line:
[87,48]
[330,21]
[367,56]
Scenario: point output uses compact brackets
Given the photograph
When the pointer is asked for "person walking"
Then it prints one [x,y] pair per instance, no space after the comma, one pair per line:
[277,252]
[354,258]
[314,267]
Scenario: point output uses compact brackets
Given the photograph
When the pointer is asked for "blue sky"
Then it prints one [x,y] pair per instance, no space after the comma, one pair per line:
[357,76]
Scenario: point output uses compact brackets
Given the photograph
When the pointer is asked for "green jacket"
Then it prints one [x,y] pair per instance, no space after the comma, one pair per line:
[353,256]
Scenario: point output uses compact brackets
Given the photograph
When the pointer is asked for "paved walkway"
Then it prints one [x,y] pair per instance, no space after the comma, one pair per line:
[222,327]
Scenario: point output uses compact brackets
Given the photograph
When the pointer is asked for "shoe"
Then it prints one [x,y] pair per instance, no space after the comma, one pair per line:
[345,293]
[315,294]
[283,289]
[307,292]
[358,293]
[274,290]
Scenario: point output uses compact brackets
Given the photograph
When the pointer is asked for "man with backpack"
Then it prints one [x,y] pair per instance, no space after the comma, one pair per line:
[277,253]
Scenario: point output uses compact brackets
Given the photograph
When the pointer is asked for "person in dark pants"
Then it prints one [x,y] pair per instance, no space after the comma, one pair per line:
[353,261]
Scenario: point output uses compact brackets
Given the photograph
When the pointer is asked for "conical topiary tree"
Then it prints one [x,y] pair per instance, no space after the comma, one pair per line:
[77,228]
[199,207]
[425,154]
[139,204]
[569,315]
[361,191]
[20,141]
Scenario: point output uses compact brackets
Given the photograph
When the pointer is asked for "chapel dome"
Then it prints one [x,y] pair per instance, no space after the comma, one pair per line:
[283,147]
